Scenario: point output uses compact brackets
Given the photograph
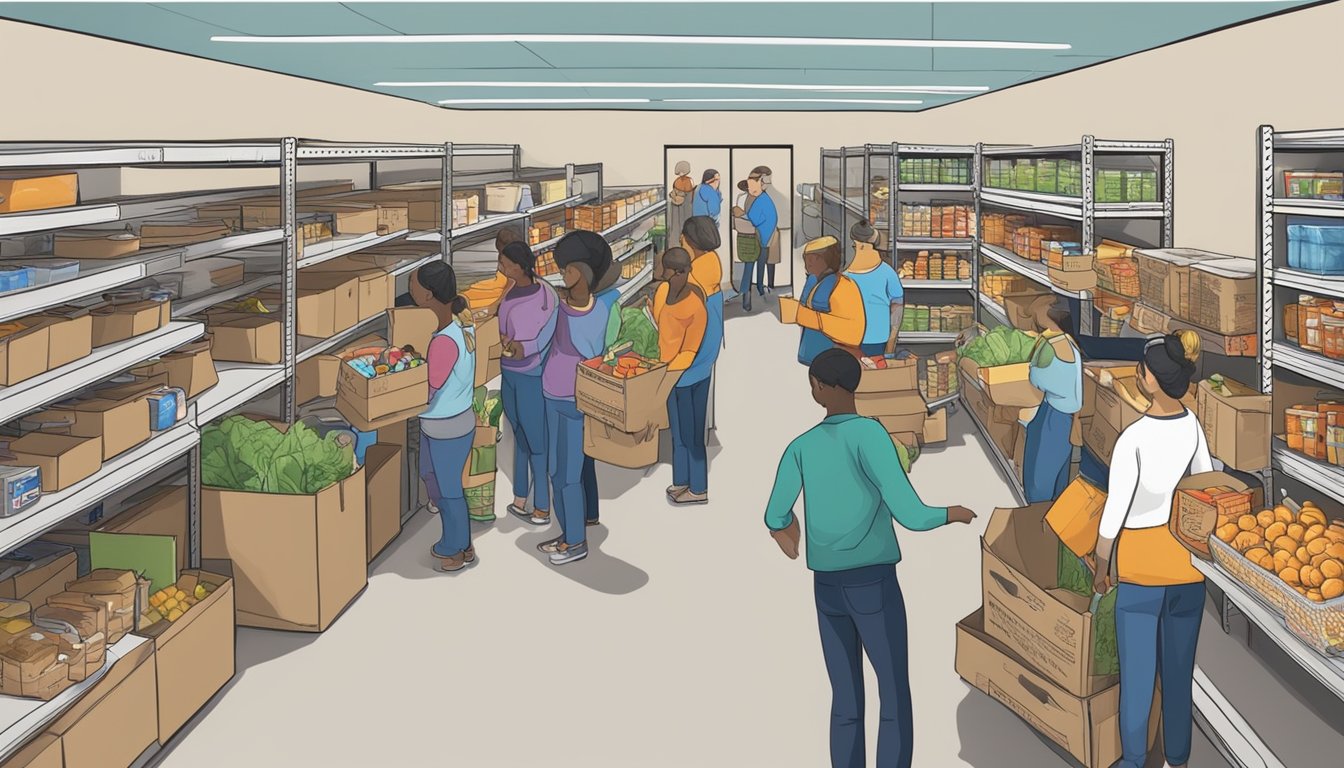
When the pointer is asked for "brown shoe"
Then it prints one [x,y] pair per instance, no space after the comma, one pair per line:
[457,562]
[469,555]
[673,491]
[686,497]
[552,546]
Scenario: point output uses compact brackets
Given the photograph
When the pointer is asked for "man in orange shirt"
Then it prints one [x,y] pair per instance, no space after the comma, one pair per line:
[680,311]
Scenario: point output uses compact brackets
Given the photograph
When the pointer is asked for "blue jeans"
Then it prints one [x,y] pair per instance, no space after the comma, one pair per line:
[442,463]
[525,408]
[748,269]
[589,489]
[761,274]
[862,611]
[874,349]
[1048,452]
[564,425]
[1157,630]
[687,409]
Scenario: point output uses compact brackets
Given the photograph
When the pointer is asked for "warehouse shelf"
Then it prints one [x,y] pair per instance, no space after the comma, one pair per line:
[927,337]
[637,217]
[558,204]
[1306,207]
[838,199]
[238,385]
[1032,270]
[1329,672]
[73,155]
[215,297]
[1006,467]
[558,279]
[22,719]
[1231,735]
[935,243]
[1069,207]
[995,309]
[1310,364]
[54,508]
[942,401]
[937,285]
[104,363]
[1324,477]
[413,264]
[311,346]
[967,188]
[344,246]
[1320,285]
[106,212]
[636,283]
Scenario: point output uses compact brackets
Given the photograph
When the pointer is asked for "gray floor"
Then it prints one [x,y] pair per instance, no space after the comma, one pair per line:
[686,639]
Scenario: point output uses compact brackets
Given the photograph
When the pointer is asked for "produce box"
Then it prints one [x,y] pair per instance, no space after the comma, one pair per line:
[70,334]
[121,424]
[1002,427]
[1237,423]
[63,460]
[935,427]
[316,377]
[628,404]
[1224,297]
[23,351]
[119,322]
[383,499]
[371,400]
[1017,306]
[1204,499]
[1031,613]
[1085,280]
[37,571]
[22,191]
[622,449]
[193,655]
[115,720]
[190,368]
[1087,727]
[889,375]
[42,752]
[95,243]
[1005,385]
[245,338]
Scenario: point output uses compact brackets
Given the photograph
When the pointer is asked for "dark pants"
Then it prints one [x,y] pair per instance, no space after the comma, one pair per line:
[765,274]
[862,611]
[1048,453]
[589,482]
[687,408]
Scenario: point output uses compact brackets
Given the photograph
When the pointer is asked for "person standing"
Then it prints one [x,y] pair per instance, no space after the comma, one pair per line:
[1057,371]
[609,296]
[448,423]
[708,199]
[783,239]
[748,243]
[682,318]
[1160,597]
[526,324]
[580,333]
[881,289]
[853,485]
[764,217]
[831,309]
[680,201]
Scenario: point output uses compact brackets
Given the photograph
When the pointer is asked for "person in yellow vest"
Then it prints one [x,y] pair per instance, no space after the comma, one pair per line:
[1160,597]
[830,309]
[680,312]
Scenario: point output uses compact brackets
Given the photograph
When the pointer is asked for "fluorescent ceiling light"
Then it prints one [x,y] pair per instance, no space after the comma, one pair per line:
[790,101]
[544,101]
[859,42]
[935,89]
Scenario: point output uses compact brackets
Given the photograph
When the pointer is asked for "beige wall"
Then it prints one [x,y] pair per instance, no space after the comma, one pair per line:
[1209,95]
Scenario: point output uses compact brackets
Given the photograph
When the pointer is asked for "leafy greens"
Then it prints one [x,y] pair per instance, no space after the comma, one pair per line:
[245,455]
[1001,346]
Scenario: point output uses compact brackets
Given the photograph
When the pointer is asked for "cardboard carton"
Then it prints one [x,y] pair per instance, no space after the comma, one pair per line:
[42,752]
[22,191]
[95,244]
[898,376]
[1091,373]
[1005,385]
[348,218]
[1164,277]
[1224,296]
[880,405]
[298,561]
[190,368]
[1018,308]
[118,322]
[37,571]
[1236,425]
[935,427]
[62,459]
[70,335]
[1085,280]
[1111,407]
[23,352]
[163,234]
[120,424]
[243,338]
[372,400]
[116,719]
[327,303]
[162,513]
[622,449]
[1026,610]
[1087,727]
[628,405]
[193,656]
[1200,499]
[1100,437]
[375,292]
[316,377]
[30,669]
[383,500]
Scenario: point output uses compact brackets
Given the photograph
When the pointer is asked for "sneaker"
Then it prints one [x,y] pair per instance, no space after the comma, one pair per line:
[469,555]
[569,554]
[686,497]
[552,546]
[433,509]
[673,491]
[591,523]
[455,563]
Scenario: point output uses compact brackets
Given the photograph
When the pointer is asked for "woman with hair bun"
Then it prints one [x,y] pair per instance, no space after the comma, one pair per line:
[1160,597]
[448,425]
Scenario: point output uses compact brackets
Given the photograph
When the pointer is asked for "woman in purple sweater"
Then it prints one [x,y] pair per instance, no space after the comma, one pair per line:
[580,334]
[526,325]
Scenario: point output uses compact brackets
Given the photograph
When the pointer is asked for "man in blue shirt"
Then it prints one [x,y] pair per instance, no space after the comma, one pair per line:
[763,215]
[853,484]
[708,199]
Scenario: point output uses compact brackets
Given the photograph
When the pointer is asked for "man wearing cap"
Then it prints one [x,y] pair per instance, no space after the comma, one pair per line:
[708,200]
[764,217]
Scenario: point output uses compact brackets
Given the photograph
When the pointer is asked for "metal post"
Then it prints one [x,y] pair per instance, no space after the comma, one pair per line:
[288,191]
[569,181]
[1169,194]
[977,183]
[194,507]
[1089,207]
[893,200]
[1265,208]
[446,199]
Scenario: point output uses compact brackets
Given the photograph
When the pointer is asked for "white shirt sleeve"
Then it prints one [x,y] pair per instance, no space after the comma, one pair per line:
[1202,462]
[1123,481]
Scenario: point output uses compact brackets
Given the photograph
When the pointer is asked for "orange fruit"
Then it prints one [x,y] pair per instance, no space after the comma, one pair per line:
[1274,530]
[1265,518]
[1296,531]
[1314,532]
[1247,522]
[1332,588]
[1284,515]
[1291,576]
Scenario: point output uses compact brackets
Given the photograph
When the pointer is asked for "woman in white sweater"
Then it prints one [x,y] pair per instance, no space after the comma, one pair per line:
[1161,596]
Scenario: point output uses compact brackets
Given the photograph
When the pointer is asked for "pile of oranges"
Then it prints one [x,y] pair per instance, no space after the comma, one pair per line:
[1304,549]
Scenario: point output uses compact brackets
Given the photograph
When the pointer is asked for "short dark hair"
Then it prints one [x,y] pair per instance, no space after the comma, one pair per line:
[677,258]
[708,175]
[702,233]
[521,254]
[836,368]
[505,236]
[587,249]
[438,278]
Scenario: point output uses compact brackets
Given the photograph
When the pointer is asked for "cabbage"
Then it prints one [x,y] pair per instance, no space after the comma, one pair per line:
[245,455]
[1001,346]
[638,330]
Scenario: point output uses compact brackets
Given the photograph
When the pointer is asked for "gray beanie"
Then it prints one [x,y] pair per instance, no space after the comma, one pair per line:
[863,232]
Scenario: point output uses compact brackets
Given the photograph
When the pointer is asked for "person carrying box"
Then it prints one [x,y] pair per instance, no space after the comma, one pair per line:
[680,313]
[831,309]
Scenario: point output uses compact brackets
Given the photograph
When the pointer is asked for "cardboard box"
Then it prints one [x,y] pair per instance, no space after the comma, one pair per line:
[22,191]
[1200,500]
[1236,425]
[881,405]
[42,752]
[1091,370]
[33,675]
[190,368]
[298,561]
[95,244]
[118,322]
[116,719]
[121,424]
[316,377]
[162,513]
[898,376]
[1005,385]
[1085,280]
[935,427]
[62,459]
[1099,437]
[788,310]
[375,292]
[70,335]
[1017,306]
[347,218]
[628,405]
[1111,407]
[46,569]
[1086,727]
[622,449]
[383,500]
[1164,277]
[242,338]
[23,352]
[490,370]
[372,400]
[164,234]
[1224,296]
[1026,610]
[327,303]
[193,656]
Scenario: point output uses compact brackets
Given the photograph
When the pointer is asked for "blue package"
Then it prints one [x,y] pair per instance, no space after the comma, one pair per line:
[21,487]
[51,271]
[362,442]
[162,410]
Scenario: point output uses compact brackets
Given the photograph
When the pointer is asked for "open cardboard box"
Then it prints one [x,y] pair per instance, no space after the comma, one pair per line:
[898,376]
[1005,385]
[115,720]
[63,460]
[627,405]
[622,449]
[1236,425]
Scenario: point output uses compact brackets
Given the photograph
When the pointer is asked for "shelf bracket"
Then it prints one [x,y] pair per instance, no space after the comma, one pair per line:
[289,176]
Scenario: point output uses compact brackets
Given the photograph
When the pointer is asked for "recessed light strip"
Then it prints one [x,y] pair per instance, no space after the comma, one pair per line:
[545,101]
[859,42]
[791,101]
[932,89]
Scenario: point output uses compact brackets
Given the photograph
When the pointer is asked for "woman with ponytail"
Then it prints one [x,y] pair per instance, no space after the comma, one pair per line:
[448,425]
[1160,597]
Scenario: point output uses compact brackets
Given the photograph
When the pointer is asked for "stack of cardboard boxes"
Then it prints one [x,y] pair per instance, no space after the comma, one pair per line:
[998,397]
[619,409]
[1214,295]
[889,391]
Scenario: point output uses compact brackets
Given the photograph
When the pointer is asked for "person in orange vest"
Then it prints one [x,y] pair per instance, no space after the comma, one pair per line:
[830,309]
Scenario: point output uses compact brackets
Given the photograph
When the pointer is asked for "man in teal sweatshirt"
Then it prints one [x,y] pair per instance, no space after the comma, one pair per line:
[852,484]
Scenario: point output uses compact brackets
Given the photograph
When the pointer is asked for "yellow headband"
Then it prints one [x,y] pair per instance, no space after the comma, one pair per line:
[820,243]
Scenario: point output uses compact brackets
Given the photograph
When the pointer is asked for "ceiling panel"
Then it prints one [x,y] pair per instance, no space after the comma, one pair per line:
[482,71]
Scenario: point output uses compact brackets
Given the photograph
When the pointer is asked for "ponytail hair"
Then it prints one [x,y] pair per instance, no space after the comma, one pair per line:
[438,278]
[1171,359]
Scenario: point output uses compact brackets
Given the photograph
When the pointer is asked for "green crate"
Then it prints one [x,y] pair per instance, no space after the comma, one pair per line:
[1047,176]
[1150,187]
[1110,186]
[1024,175]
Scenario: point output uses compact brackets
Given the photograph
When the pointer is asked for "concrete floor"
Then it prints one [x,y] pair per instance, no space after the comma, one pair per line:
[685,639]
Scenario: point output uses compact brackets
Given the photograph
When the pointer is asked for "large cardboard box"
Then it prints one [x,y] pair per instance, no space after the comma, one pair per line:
[37,571]
[1087,727]
[70,335]
[316,377]
[1100,437]
[22,191]
[1024,607]
[23,352]
[1236,425]
[63,460]
[622,449]
[898,376]
[1224,296]
[628,405]
[243,338]
[298,561]
[880,405]
[121,424]
[193,656]
[1091,374]
[375,292]
[327,303]
[489,350]
[1018,308]
[117,719]
[42,752]
[1073,281]
[119,322]
[1114,409]
[189,367]
[382,467]
[1164,277]
[348,218]
[1005,385]
[935,427]
[370,401]
[162,513]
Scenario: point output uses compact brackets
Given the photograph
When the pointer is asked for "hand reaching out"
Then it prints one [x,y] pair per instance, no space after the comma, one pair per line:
[959,514]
